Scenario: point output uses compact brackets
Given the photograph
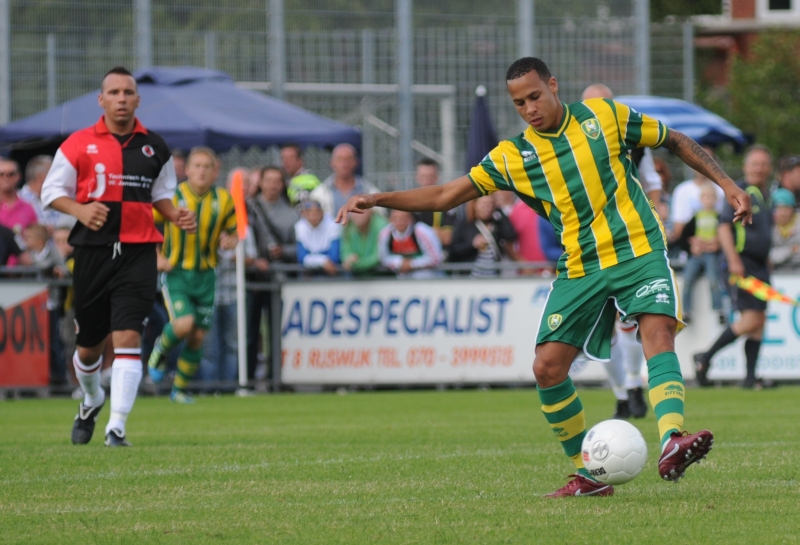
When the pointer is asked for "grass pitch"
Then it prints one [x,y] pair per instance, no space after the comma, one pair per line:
[387,467]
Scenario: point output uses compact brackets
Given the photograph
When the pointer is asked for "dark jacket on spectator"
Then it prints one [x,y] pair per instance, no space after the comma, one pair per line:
[8,245]
[273,223]
[461,249]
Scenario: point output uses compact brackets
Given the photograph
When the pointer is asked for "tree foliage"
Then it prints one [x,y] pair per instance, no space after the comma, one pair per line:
[661,9]
[763,96]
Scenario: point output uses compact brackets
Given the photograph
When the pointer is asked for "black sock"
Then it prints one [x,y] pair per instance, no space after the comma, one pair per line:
[726,338]
[751,350]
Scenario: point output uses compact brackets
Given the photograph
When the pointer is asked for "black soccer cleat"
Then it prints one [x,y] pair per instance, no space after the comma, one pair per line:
[637,403]
[115,438]
[83,427]
[622,411]
[701,366]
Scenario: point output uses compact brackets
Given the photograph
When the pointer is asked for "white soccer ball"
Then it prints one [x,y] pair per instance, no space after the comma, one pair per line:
[614,452]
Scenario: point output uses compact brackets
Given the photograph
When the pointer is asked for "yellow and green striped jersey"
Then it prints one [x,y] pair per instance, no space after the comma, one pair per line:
[582,180]
[198,250]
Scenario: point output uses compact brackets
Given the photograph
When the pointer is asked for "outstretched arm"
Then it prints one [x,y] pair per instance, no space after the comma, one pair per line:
[422,199]
[696,157]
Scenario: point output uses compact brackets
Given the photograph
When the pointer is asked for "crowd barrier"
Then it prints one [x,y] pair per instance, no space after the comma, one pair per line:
[385,331]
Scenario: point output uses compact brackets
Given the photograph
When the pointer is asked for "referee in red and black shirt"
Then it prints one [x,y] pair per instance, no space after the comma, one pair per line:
[110,176]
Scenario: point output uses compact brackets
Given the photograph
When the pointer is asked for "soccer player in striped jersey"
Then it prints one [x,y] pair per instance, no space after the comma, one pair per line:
[187,261]
[571,165]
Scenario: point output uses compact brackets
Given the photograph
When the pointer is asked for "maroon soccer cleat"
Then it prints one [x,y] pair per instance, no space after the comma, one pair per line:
[581,486]
[681,451]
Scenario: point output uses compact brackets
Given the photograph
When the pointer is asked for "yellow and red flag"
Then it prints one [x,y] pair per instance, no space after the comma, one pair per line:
[237,192]
[761,289]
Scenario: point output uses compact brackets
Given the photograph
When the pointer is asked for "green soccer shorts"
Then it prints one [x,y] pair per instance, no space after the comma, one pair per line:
[581,311]
[190,293]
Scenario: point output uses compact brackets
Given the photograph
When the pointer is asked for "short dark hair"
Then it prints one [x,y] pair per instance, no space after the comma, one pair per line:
[295,147]
[789,163]
[178,153]
[522,66]
[428,162]
[276,169]
[118,70]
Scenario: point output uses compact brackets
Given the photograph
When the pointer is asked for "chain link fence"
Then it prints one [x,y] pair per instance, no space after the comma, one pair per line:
[61,48]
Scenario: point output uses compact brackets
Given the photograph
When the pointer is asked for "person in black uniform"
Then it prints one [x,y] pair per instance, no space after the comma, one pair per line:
[111,176]
[747,252]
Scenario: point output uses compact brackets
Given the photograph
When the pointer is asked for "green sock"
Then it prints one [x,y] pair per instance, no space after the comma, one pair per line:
[564,411]
[188,363]
[168,340]
[667,393]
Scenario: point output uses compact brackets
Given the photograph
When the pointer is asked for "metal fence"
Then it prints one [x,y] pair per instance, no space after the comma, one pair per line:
[58,49]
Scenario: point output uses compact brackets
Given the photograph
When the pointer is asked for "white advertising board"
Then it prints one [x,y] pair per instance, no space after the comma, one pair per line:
[464,331]
[450,330]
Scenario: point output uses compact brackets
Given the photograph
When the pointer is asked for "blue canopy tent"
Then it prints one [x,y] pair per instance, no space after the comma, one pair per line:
[705,127]
[191,107]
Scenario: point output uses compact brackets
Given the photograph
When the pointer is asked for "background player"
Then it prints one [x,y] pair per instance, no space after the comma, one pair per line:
[188,262]
[576,171]
[624,368]
[110,177]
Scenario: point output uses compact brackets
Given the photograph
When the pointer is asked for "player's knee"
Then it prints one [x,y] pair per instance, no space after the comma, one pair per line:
[89,356]
[195,338]
[126,338]
[546,370]
[183,326]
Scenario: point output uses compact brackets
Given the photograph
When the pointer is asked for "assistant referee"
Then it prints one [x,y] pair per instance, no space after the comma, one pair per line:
[110,176]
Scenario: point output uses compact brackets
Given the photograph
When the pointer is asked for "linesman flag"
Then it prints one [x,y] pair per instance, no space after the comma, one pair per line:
[237,192]
[761,289]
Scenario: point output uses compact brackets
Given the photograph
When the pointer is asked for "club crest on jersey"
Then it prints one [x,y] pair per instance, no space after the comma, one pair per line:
[554,320]
[591,128]
[148,151]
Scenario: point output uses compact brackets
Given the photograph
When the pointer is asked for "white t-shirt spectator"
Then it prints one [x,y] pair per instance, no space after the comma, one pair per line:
[686,201]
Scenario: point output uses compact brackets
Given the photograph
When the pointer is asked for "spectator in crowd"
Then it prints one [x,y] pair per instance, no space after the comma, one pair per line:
[252,182]
[272,220]
[318,239]
[343,183]
[301,180]
[551,245]
[663,205]
[66,324]
[703,248]
[359,248]
[409,248]
[8,246]
[179,159]
[15,213]
[50,264]
[35,172]
[789,175]
[785,252]
[685,202]
[292,161]
[747,250]
[526,225]
[427,174]
[485,241]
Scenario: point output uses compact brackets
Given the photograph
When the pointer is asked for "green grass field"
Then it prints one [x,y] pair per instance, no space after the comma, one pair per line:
[386,467]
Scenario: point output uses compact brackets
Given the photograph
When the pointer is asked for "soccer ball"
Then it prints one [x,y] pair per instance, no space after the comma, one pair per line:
[614,452]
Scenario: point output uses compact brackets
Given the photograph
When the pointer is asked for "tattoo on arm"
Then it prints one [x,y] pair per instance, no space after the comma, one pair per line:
[693,155]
